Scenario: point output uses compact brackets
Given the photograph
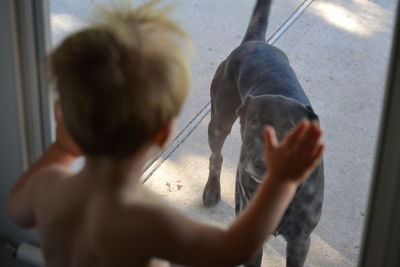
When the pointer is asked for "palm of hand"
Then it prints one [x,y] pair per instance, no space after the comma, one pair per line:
[297,155]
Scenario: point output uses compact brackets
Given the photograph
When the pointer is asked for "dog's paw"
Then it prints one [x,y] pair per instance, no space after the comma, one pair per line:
[211,194]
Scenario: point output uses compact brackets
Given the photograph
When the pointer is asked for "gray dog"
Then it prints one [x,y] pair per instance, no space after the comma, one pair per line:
[257,84]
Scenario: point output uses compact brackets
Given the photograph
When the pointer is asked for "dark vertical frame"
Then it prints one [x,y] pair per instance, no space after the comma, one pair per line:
[381,243]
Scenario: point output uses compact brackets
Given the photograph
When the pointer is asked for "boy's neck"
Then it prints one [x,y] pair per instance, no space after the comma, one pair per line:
[112,174]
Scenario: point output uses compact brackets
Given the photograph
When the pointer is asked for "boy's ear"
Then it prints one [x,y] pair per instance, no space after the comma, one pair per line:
[164,134]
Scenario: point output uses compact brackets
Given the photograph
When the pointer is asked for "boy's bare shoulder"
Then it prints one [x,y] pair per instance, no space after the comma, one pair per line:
[142,208]
[48,176]
[132,224]
[154,229]
[45,183]
[145,215]
[55,171]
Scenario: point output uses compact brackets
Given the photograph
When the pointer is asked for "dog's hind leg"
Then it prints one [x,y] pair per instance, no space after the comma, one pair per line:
[296,251]
[225,100]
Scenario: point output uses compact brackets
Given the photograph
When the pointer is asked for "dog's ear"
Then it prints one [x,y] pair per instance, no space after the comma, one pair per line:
[311,114]
[240,111]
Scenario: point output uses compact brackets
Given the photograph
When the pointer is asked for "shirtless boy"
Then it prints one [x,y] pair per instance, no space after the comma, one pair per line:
[121,84]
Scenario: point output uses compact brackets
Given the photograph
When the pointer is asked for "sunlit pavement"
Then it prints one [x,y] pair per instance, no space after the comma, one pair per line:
[339,50]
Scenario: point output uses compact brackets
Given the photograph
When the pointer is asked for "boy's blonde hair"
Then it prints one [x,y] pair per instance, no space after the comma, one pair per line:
[122,79]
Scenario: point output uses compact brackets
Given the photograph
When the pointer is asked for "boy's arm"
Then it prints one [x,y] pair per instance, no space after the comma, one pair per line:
[62,153]
[182,240]
[20,200]
[172,236]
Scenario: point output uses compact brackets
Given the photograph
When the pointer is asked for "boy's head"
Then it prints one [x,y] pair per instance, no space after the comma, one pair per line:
[122,80]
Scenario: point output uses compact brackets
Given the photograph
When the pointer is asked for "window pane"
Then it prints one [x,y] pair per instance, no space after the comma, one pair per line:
[339,51]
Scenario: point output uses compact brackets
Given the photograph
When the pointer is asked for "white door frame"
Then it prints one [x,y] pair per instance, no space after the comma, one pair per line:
[32,25]
[24,96]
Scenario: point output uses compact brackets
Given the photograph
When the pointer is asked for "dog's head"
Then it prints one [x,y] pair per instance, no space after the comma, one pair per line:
[280,112]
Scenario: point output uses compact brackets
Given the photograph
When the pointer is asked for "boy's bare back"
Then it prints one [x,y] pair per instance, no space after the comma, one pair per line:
[89,225]
[122,83]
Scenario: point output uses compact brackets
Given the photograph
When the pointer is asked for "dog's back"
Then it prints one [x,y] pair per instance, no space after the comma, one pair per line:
[261,67]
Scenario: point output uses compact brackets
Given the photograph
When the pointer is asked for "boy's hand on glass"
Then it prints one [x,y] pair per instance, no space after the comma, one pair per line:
[296,156]
[64,140]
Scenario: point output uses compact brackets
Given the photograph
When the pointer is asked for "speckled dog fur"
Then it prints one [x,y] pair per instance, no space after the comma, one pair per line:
[257,84]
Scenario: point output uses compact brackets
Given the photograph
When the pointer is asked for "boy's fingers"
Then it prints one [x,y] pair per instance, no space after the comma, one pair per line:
[310,139]
[297,133]
[317,154]
[270,137]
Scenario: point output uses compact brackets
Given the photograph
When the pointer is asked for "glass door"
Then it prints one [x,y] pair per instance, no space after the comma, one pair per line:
[340,51]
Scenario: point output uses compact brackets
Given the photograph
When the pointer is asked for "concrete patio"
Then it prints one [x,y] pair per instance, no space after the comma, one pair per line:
[339,50]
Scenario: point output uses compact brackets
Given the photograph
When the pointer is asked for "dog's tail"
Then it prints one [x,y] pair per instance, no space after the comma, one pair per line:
[259,22]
